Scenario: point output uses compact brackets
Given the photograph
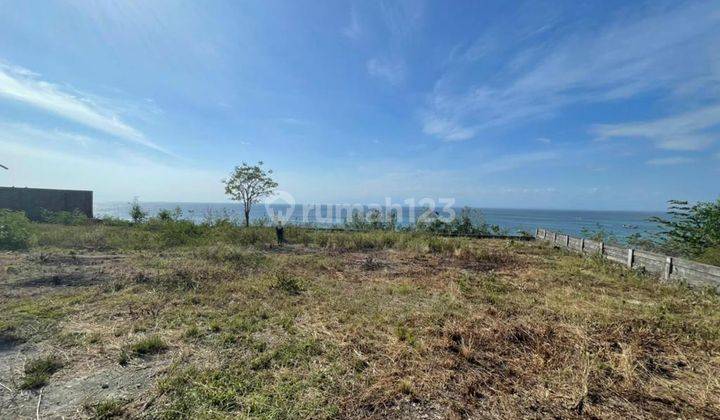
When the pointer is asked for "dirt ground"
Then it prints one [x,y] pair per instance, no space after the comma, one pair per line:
[492,330]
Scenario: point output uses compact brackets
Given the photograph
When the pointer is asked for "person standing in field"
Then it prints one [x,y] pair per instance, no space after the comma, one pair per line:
[280,233]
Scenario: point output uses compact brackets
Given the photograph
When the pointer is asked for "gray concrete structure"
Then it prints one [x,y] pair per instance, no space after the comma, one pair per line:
[33,200]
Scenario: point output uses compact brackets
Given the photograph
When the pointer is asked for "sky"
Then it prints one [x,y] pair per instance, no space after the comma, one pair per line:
[559,104]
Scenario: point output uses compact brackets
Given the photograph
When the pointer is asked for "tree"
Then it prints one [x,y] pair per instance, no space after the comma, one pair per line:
[691,230]
[248,184]
[137,214]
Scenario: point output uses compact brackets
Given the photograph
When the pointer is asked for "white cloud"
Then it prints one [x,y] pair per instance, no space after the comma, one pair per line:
[688,131]
[446,129]
[632,56]
[392,72]
[23,86]
[671,161]
[544,140]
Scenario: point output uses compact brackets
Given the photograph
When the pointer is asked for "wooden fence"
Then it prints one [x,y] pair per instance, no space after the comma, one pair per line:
[667,268]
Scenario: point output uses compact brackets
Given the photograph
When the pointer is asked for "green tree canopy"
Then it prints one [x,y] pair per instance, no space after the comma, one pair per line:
[248,184]
[691,230]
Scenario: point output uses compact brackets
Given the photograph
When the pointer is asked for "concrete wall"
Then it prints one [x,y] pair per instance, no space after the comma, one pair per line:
[32,200]
[666,267]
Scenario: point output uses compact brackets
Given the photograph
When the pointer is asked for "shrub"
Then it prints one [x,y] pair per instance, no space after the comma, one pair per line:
[166,215]
[710,256]
[691,229]
[178,232]
[16,231]
[287,283]
[114,221]
[137,214]
[73,218]
[470,222]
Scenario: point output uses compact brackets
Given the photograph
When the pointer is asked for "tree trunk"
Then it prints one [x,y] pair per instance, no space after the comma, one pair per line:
[247,217]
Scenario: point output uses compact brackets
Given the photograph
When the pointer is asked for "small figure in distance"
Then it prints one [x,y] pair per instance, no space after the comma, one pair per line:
[280,233]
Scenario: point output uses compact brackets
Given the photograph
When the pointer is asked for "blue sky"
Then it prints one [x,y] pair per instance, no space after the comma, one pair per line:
[563,104]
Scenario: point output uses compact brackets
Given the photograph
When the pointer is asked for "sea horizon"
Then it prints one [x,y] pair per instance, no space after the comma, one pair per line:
[618,223]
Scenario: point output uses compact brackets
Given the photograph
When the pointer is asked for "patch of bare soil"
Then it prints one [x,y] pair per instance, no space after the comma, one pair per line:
[75,389]
[84,380]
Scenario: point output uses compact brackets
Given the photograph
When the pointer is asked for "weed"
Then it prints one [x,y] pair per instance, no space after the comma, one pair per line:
[123,358]
[38,371]
[193,332]
[288,283]
[148,346]
[107,409]
[405,335]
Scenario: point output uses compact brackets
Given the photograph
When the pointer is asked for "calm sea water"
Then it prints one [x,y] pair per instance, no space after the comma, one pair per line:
[618,223]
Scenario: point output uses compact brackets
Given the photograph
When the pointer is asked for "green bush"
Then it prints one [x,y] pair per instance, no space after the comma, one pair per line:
[176,232]
[690,229]
[69,218]
[16,231]
[114,221]
[137,214]
[710,256]
[287,283]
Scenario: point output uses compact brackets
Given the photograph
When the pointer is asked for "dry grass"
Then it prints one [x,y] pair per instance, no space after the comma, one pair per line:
[337,326]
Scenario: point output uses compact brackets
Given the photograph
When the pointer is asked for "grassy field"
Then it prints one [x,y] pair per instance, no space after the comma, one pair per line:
[118,321]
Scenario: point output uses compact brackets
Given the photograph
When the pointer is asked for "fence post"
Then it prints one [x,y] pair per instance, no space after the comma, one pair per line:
[602,248]
[567,241]
[630,255]
[554,238]
[537,232]
[582,245]
[668,268]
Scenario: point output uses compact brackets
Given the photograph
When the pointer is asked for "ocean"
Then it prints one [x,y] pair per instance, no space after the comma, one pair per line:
[620,224]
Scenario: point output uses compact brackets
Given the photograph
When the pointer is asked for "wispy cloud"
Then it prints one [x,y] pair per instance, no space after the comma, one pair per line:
[446,129]
[402,17]
[25,132]
[23,86]
[670,161]
[543,140]
[687,131]
[353,30]
[632,56]
[391,71]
